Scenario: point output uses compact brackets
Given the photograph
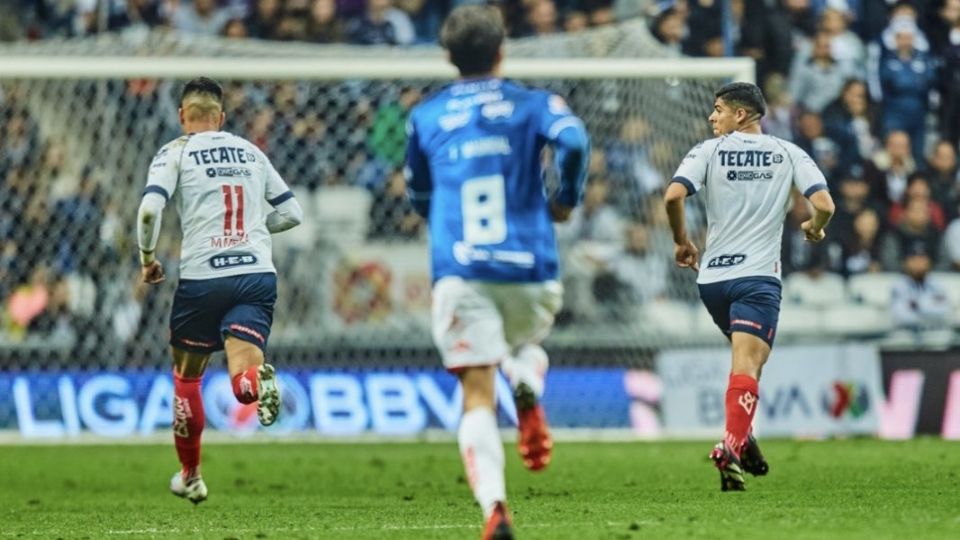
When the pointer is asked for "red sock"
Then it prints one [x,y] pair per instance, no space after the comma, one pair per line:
[187,422]
[741,406]
[245,386]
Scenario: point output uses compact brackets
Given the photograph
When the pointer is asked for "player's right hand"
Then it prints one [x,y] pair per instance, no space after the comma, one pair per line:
[687,255]
[152,273]
[812,235]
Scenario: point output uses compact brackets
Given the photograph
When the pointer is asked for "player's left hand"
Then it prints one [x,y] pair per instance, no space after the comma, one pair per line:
[687,255]
[812,235]
[152,273]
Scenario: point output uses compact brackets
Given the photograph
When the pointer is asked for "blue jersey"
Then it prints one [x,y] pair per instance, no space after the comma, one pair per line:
[473,169]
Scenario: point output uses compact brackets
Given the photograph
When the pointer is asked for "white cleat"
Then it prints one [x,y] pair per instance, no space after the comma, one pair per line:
[269,406]
[193,490]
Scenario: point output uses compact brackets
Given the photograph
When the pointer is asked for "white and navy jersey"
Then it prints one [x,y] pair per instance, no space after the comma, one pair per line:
[224,184]
[747,181]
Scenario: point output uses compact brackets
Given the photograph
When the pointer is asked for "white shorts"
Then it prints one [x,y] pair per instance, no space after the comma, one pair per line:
[478,323]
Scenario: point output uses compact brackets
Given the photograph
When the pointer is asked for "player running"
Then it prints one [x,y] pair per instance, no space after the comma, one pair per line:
[228,284]
[473,163]
[747,178]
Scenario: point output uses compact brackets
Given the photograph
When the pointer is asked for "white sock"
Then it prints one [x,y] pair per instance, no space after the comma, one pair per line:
[482,453]
[529,365]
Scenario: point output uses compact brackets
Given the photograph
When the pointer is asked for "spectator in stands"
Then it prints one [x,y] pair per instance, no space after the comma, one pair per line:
[542,17]
[845,45]
[387,140]
[380,24]
[236,29]
[779,120]
[915,229]
[575,21]
[918,188]
[861,250]
[293,21]
[949,86]
[888,170]
[902,12]
[941,25]
[670,28]
[817,80]
[951,245]
[636,274]
[813,140]
[323,25]
[853,198]
[851,122]
[767,36]
[919,302]
[944,175]
[906,76]
[262,23]
[628,158]
[200,17]
[392,217]
[593,236]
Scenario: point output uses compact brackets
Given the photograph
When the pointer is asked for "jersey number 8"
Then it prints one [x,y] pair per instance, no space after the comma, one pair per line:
[484,210]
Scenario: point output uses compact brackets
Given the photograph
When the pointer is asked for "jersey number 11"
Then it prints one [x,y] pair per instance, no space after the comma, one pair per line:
[233,218]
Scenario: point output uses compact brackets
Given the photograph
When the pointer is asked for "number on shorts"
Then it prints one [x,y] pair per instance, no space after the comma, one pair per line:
[484,210]
[233,218]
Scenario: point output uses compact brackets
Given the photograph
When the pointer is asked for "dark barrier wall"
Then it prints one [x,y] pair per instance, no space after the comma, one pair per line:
[923,393]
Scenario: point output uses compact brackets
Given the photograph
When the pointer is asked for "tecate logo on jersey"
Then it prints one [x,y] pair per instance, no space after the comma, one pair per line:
[726,261]
[232,260]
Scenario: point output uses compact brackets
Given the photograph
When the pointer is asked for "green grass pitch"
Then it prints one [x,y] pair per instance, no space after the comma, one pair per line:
[834,489]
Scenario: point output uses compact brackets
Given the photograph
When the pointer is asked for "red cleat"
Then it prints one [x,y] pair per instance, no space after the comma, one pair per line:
[499,525]
[534,442]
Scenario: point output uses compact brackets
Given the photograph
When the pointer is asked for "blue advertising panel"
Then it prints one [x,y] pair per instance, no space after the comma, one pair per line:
[329,402]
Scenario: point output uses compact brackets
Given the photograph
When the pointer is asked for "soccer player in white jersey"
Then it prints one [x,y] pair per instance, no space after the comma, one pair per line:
[473,160]
[228,285]
[747,178]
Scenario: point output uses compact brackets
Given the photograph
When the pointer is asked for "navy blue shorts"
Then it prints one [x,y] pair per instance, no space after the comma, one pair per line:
[204,310]
[750,305]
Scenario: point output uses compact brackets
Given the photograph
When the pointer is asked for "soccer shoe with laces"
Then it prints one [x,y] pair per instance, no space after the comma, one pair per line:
[192,489]
[268,407]
[499,525]
[752,459]
[731,470]
[534,442]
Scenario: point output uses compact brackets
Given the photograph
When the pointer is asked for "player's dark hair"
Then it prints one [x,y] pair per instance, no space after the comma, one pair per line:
[743,95]
[204,86]
[473,36]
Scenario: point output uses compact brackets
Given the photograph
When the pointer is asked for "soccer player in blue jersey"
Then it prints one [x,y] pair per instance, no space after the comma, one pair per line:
[473,164]
[747,179]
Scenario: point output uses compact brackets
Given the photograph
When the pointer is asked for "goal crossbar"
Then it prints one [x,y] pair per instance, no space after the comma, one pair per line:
[301,69]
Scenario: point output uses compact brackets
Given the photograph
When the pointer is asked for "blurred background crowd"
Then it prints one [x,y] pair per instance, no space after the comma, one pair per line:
[869,88]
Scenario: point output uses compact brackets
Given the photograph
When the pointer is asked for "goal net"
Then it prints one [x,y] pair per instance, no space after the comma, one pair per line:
[80,121]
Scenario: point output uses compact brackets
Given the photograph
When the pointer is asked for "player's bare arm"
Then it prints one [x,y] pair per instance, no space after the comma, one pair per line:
[148,231]
[823,209]
[685,253]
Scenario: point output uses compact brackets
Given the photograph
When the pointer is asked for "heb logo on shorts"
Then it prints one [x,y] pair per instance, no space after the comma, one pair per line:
[232,260]
[726,261]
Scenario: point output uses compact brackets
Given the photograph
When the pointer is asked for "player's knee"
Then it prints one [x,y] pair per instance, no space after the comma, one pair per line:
[188,364]
[478,387]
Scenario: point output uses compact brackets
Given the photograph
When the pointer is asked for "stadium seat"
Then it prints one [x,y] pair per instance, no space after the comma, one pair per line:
[342,213]
[856,319]
[669,317]
[825,290]
[872,289]
[799,320]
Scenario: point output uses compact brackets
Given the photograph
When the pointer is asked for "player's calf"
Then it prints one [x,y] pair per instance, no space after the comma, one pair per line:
[246,385]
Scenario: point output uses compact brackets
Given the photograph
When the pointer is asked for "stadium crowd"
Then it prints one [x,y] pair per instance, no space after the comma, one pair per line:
[870,89]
